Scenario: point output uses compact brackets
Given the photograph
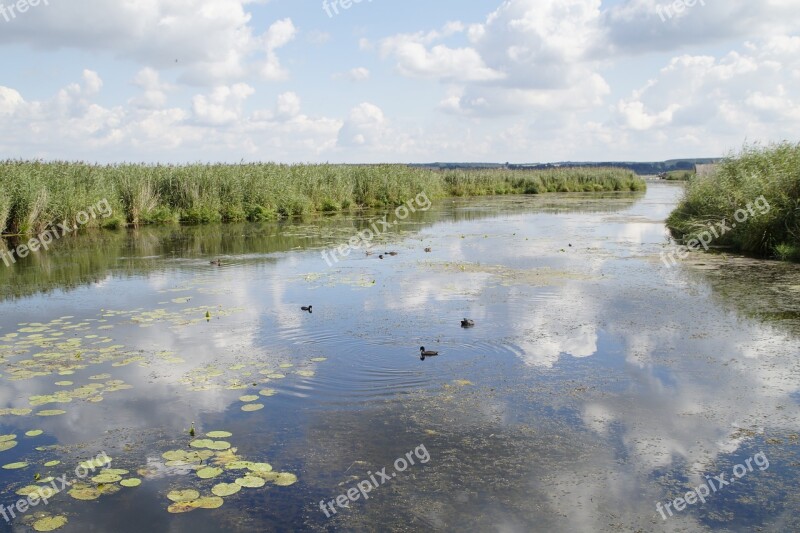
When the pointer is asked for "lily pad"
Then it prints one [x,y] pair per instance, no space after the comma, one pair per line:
[250,407]
[219,434]
[209,472]
[268,392]
[251,482]
[51,412]
[50,523]
[7,445]
[26,491]
[208,502]
[107,478]
[52,463]
[34,433]
[85,492]
[319,359]
[15,466]
[260,467]
[226,489]
[249,398]
[6,438]
[306,373]
[285,479]
[184,495]
[131,482]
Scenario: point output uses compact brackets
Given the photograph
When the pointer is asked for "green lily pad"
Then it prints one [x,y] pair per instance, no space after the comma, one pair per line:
[250,482]
[285,479]
[219,434]
[85,492]
[26,491]
[208,502]
[51,412]
[34,433]
[268,392]
[260,467]
[306,373]
[131,482]
[15,466]
[184,495]
[7,445]
[209,472]
[107,478]
[249,398]
[226,489]
[250,407]
[6,438]
[50,523]
[52,463]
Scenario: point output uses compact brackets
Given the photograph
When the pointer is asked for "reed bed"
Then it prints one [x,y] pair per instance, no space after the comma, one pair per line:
[34,195]
[772,172]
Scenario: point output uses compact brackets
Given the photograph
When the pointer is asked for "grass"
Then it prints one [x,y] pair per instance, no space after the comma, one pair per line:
[772,172]
[679,175]
[35,195]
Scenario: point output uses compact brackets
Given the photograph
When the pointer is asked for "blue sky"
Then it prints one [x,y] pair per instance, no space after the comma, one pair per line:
[391,81]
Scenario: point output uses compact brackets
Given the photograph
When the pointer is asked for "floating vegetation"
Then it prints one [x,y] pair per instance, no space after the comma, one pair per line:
[251,482]
[106,477]
[210,444]
[33,433]
[26,491]
[51,412]
[250,407]
[319,359]
[268,392]
[50,523]
[52,463]
[306,373]
[249,398]
[209,472]
[15,466]
[131,482]
[184,495]
[16,412]
[7,445]
[226,489]
[219,434]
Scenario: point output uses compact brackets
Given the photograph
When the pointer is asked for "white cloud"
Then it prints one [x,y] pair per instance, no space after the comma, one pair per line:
[356,74]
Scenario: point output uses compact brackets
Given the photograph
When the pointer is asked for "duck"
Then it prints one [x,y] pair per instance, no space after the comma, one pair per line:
[390,253]
[423,353]
[217,262]
[428,250]
[467,323]
[306,308]
[380,256]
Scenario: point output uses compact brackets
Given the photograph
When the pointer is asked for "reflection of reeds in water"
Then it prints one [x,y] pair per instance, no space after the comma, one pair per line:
[34,194]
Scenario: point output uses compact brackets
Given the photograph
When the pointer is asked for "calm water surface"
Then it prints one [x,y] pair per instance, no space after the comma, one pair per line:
[595,384]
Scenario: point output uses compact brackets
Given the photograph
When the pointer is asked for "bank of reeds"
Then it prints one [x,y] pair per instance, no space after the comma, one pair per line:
[772,172]
[34,195]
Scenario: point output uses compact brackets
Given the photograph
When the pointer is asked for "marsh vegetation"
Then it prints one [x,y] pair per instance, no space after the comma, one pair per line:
[35,194]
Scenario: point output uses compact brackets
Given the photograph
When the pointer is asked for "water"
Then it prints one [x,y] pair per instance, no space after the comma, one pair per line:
[596,382]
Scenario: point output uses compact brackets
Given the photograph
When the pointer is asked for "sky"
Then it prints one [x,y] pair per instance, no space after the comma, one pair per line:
[415,81]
